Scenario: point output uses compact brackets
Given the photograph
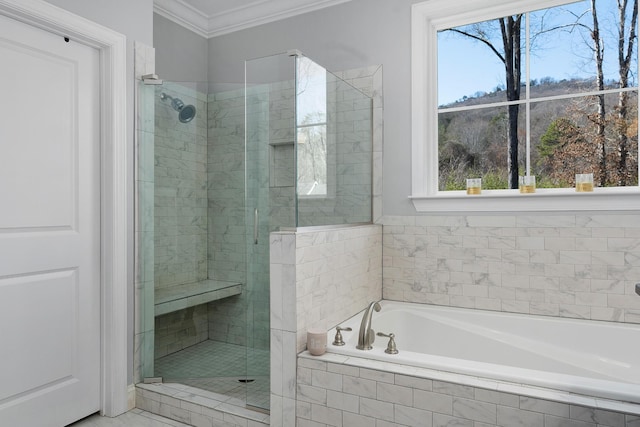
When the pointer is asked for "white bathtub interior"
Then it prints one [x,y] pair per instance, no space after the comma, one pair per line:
[592,358]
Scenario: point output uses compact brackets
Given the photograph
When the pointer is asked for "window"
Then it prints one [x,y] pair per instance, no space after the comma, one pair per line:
[545,123]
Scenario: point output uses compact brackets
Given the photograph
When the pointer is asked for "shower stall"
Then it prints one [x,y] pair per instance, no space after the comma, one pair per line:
[218,170]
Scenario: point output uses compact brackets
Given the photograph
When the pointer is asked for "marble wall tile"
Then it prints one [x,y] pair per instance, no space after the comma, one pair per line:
[558,265]
[475,410]
[180,182]
[409,416]
[319,278]
[276,368]
[423,401]
[394,394]
[307,393]
[377,409]
[185,407]
[355,259]
[507,416]
[144,59]
[343,401]
[598,416]
[552,421]
[226,216]
[180,329]
[289,365]
[325,415]
[440,420]
[143,347]
[434,402]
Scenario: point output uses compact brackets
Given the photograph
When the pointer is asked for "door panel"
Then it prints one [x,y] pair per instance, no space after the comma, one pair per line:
[46,145]
[49,228]
[54,294]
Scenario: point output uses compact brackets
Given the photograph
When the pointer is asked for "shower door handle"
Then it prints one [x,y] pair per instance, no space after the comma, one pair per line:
[255,226]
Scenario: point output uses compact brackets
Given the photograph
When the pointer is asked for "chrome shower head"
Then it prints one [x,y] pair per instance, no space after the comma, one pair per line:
[186,113]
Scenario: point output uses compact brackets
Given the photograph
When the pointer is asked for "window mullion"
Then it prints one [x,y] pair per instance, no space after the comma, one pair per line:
[527,65]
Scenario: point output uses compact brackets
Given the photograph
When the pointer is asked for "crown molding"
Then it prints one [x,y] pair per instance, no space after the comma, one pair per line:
[183,14]
[249,15]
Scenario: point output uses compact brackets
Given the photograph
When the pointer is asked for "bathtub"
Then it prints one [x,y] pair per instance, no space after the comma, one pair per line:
[590,358]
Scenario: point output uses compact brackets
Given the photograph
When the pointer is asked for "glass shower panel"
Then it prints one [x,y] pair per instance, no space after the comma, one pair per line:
[195,342]
[334,143]
[270,199]
[144,234]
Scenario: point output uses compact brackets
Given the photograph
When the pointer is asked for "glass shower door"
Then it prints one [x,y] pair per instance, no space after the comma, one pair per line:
[270,199]
[308,157]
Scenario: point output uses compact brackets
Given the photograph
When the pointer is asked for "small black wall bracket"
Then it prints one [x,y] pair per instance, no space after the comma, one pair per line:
[638,288]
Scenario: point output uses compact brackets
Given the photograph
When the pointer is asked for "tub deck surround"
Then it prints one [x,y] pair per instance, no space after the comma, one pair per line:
[178,297]
[597,360]
[339,390]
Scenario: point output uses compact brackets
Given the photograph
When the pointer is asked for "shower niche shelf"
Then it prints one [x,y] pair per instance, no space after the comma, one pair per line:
[178,297]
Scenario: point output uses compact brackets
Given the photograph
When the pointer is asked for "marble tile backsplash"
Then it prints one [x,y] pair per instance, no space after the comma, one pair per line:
[568,265]
[338,273]
[180,189]
[318,279]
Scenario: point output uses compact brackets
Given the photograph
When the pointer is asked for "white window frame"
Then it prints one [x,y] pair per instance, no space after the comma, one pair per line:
[427,18]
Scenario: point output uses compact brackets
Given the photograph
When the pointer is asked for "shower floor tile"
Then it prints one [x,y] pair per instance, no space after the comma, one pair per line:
[217,367]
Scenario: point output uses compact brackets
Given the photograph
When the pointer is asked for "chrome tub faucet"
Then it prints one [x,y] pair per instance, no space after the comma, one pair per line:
[366,336]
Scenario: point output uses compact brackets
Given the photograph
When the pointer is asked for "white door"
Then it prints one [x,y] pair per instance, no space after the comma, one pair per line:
[49,228]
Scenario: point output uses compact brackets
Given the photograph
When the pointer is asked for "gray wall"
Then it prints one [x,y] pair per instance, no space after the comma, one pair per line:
[355,34]
[580,265]
[181,55]
[134,20]
[131,18]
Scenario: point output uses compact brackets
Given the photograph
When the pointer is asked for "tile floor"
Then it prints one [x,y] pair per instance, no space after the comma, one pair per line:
[133,418]
[212,367]
[217,367]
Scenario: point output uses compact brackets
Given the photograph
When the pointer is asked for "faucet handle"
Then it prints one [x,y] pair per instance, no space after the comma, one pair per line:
[391,347]
[338,339]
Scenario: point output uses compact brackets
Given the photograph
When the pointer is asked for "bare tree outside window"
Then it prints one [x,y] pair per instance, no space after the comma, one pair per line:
[311,124]
[579,116]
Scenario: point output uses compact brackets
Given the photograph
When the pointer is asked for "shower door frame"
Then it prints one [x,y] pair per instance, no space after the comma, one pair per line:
[111,46]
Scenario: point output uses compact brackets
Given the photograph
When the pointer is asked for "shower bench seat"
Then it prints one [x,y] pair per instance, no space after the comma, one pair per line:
[178,297]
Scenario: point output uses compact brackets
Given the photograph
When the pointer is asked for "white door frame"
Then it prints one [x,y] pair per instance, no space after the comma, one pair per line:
[113,162]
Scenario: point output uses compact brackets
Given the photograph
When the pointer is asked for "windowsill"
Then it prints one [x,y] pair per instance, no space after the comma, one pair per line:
[543,200]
